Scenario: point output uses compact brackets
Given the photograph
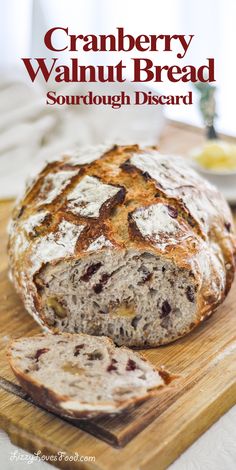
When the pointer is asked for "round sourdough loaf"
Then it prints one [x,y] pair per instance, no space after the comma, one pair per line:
[123,242]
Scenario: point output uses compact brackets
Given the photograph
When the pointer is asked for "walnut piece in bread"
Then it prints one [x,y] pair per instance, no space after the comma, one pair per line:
[133,245]
[82,376]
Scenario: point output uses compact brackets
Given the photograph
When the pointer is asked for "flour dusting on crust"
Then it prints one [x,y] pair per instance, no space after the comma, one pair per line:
[33,221]
[56,245]
[99,243]
[21,243]
[53,185]
[86,155]
[155,224]
[200,207]
[182,183]
[211,264]
[87,198]
[160,168]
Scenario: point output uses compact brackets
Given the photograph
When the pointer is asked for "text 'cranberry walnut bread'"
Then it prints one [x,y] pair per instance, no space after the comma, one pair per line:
[125,242]
[83,376]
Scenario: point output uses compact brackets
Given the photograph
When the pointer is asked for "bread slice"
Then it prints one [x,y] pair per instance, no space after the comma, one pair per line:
[81,376]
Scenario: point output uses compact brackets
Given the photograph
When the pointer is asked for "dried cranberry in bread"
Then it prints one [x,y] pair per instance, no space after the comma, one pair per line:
[123,242]
[82,376]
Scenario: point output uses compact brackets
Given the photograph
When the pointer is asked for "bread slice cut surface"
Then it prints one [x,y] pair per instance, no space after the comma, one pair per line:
[82,376]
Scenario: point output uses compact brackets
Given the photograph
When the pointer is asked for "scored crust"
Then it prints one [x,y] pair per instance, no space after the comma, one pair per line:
[84,217]
[79,376]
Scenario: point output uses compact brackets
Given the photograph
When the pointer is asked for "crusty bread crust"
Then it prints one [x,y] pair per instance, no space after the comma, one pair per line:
[53,401]
[74,209]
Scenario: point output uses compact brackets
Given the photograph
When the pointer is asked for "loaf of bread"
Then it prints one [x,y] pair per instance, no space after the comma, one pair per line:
[82,376]
[123,242]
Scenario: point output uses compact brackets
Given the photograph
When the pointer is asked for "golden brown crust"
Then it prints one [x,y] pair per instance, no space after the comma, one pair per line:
[204,241]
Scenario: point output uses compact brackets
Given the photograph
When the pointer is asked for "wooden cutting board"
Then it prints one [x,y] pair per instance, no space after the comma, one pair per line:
[154,434]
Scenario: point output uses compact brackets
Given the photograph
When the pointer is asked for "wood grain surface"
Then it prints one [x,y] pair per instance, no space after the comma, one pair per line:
[157,432]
